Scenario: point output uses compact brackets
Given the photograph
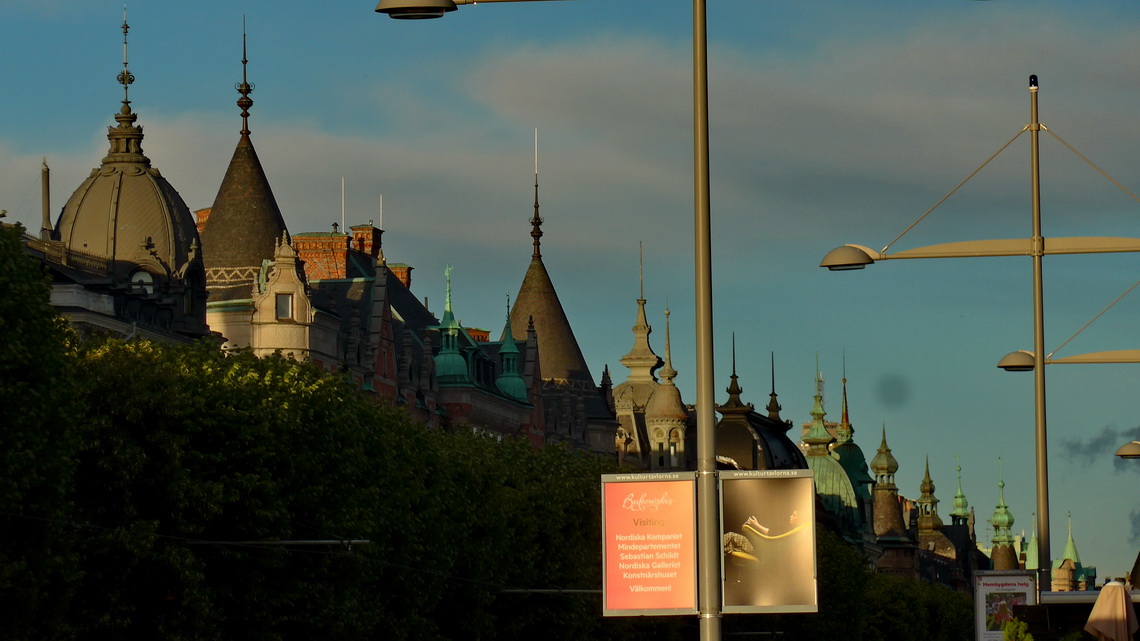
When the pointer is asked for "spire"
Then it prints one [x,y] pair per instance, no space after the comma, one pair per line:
[961,506]
[773,405]
[844,432]
[817,437]
[641,361]
[884,465]
[928,518]
[510,381]
[1031,549]
[1002,520]
[734,390]
[1071,545]
[667,372]
[125,76]
[245,219]
[244,88]
[536,221]
[126,138]
[450,367]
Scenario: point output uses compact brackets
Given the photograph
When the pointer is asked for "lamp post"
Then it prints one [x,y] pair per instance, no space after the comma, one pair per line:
[848,257]
[708,526]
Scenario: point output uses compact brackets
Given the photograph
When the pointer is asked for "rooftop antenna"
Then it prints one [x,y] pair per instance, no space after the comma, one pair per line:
[342,202]
[125,76]
[381,225]
[244,87]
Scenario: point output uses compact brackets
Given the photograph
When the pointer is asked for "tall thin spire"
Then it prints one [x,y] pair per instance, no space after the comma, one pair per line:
[244,87]
[125,76]
[536,221]
[126,137]
[641,360]
[961,506]
[773,405]
[667,372]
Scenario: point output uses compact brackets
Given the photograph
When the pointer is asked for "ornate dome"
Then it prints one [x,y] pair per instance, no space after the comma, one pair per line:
[128,214]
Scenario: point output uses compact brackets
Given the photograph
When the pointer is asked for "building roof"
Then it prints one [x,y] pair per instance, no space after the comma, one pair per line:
[245,222]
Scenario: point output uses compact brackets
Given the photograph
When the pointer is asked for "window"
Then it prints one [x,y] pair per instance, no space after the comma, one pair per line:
[142,282]
[284,307]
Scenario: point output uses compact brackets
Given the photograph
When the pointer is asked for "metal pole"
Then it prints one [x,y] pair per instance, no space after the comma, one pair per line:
[708,527]
[1044,559]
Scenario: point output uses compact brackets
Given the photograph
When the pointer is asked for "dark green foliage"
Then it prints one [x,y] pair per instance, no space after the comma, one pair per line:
[133,472]
[37,443]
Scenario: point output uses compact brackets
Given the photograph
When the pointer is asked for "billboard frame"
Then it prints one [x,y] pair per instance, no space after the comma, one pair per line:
[804,523]
[689,578]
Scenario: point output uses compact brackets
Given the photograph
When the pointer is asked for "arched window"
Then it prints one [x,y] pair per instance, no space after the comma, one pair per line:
[142,282]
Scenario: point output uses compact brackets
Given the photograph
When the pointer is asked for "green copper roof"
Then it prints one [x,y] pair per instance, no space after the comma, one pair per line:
[961,505]
[1071,545]
[450,366]
[1002,520]
[817,436]
[510,382]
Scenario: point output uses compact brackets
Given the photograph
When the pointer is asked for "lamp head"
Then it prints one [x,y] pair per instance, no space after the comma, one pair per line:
[415,9]
[846,257]
[1019,361]
[1129,450]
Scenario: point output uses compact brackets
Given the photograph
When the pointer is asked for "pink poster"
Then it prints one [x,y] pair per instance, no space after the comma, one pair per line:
[649,544]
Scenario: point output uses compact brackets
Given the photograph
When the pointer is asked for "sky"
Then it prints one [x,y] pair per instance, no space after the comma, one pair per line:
[831,122]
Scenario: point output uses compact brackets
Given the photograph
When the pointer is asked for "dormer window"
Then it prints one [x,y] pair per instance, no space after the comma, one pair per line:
[142,282]
[284,307]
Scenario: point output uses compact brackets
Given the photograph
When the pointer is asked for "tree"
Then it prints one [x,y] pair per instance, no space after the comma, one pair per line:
[37,444]
[187,451]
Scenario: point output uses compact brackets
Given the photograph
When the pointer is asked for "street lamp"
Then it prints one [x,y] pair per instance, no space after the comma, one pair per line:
[1129,450]
[848,257]
[708,525]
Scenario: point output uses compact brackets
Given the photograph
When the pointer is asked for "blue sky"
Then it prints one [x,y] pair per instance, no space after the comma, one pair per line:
[831,122]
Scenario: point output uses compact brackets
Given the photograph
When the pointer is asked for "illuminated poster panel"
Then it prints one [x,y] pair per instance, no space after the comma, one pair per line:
[649,544]
[768,532]
[995,594]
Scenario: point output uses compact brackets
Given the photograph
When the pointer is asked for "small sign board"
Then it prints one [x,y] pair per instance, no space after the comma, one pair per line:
[768,535]
[995,594]
[649,544]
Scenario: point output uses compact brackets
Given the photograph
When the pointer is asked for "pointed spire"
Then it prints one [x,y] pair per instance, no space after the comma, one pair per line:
[125,138]
[734,390]
[667,372]
[536,221]
[773,405]
[641,361]
[245,218]
[844,432]
[884,465]
[1002,519]
[1071,545]
[510,381]
[244,88]
[817,436]
[961,506]
[125,76]
[928,518]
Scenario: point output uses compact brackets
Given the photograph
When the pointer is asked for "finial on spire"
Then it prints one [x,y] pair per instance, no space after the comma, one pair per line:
[641,271]
[508,308]
[244,87]
[536,221]
[125,76]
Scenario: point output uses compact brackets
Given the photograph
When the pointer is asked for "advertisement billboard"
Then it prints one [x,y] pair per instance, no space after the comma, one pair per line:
[995,594]
[768,534]
[649,544]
